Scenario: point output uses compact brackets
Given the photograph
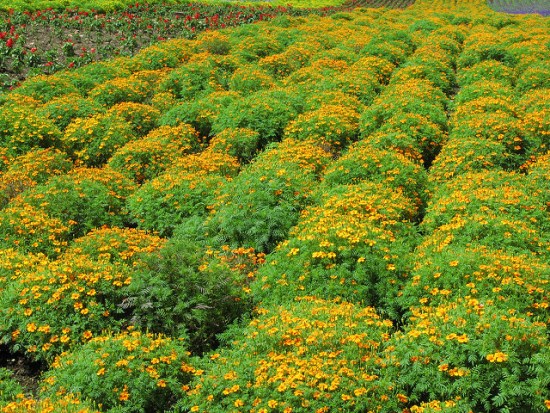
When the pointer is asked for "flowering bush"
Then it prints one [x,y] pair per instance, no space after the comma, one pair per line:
[200,113]
[85,291]
[35,167]
[473,351]
[91,141]
[65,404]
[336,125]
[22,130]
[241,143]
[128,372]
[146,158]
[116,245]
[264,367]
[263,202]
[84,199]
[31,230]
[142,118]
[267,112]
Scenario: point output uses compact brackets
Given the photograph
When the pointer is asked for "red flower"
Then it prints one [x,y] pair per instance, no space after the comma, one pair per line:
[9,43]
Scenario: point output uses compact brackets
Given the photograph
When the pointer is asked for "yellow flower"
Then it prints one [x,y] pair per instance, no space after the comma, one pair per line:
[272,403]
[498,357]
[239,403]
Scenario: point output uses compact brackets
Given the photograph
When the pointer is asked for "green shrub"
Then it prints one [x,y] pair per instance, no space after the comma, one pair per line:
[89,76]
[213,42]
[35,167]
[142,118]
[483,88]
[494,208]
[250,79]
[31,230]
[335,125]
[362,162]
[431,69]
[64,109]
[266,112]
[166,201]
[201,113]
[489,70]
[241,143]
[60,304]
[426,136]
[114,245]
[355,245]
[280,65]
[497,126]
[91,141]
[188,290]
[470,350]
[146,158]
[118,90]
[261,204]
[83,199]
[466,155]
[449,271]
[66,404]
[21,130]
[203,74]
[161,55]
[310,356]
[128,372]
[46,87]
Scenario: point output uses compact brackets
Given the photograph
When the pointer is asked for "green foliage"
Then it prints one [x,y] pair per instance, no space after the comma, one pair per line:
[488,70]
[88,77]
[166,201]
[363,162]
[200,113]
[263,202]
[31,230]
[64,109]
[118,90]
[34,167]
[241,143]
[22,130]
[266,112]
[188,290]
[355,245]
[471,350]
[9,387]
[142,118]
[336,125]
[504,211]
[44,88]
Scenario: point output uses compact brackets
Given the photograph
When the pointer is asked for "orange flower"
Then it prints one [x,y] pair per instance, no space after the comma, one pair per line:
[498,357]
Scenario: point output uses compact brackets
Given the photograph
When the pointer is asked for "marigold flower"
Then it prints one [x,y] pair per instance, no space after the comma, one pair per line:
[498,357]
